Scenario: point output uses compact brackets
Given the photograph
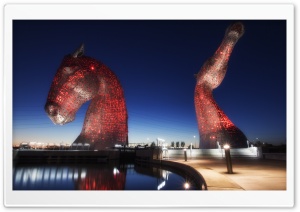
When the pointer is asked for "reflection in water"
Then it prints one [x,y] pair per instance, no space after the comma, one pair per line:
[108,176]
[156,178]
[160,175]
[102,179]
[69,177]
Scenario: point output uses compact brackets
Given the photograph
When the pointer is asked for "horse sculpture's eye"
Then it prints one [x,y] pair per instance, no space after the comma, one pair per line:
[68,70]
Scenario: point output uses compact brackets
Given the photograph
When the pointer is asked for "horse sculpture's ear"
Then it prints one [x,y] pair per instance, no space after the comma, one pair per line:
[79,52]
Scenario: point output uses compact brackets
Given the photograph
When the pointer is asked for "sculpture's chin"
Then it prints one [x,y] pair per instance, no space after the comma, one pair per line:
[62,120]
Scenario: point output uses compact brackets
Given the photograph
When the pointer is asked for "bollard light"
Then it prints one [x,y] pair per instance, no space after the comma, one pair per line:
[185,156]
[226,146]
[228,158]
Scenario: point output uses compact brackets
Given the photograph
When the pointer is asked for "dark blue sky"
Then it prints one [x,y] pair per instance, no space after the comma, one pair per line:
[155,62]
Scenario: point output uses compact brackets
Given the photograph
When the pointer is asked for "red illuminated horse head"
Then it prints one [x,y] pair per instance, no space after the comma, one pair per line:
[78,80]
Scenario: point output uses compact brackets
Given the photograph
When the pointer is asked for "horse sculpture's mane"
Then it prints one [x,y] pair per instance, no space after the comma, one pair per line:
[79,79]
[214,125]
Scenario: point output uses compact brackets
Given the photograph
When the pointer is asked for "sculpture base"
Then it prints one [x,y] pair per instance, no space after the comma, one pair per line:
[231,136]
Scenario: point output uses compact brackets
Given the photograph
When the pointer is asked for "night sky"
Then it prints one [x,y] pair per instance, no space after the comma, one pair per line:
[155,62]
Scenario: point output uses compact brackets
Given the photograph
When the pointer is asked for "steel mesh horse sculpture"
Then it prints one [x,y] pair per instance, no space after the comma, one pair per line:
[78,80]
[214,126]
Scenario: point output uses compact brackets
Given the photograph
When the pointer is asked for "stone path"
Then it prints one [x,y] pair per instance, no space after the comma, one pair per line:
[248,174]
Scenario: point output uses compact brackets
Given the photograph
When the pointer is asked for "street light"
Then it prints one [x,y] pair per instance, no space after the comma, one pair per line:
[185,156]
[228,158]
[195,141]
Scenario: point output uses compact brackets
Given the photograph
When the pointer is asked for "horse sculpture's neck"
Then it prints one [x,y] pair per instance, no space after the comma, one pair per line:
[210,115]
[214,125]
[105,123]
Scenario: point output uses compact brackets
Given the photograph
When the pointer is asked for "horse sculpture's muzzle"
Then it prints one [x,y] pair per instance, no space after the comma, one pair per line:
[51,109]
[54,111]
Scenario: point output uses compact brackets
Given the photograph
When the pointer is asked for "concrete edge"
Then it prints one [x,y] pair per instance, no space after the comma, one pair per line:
[211,179]
[190,171]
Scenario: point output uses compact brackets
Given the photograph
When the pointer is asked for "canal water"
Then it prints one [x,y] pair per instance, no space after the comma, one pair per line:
[106,176]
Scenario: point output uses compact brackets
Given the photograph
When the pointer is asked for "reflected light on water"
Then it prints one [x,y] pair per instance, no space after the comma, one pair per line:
[95,177]
[186,185]
[67,178]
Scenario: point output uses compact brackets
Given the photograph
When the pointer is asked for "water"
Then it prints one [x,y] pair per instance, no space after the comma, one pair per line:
[108,176]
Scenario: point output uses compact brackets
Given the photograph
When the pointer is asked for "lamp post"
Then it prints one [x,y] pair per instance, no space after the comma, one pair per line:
[195,141]
[185,156]
[228,158]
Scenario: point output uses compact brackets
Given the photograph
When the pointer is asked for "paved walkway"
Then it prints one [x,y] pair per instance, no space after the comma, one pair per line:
[248,173]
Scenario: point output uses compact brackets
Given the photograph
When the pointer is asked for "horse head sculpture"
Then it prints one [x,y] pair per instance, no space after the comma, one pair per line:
[78,80]
[214,126]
